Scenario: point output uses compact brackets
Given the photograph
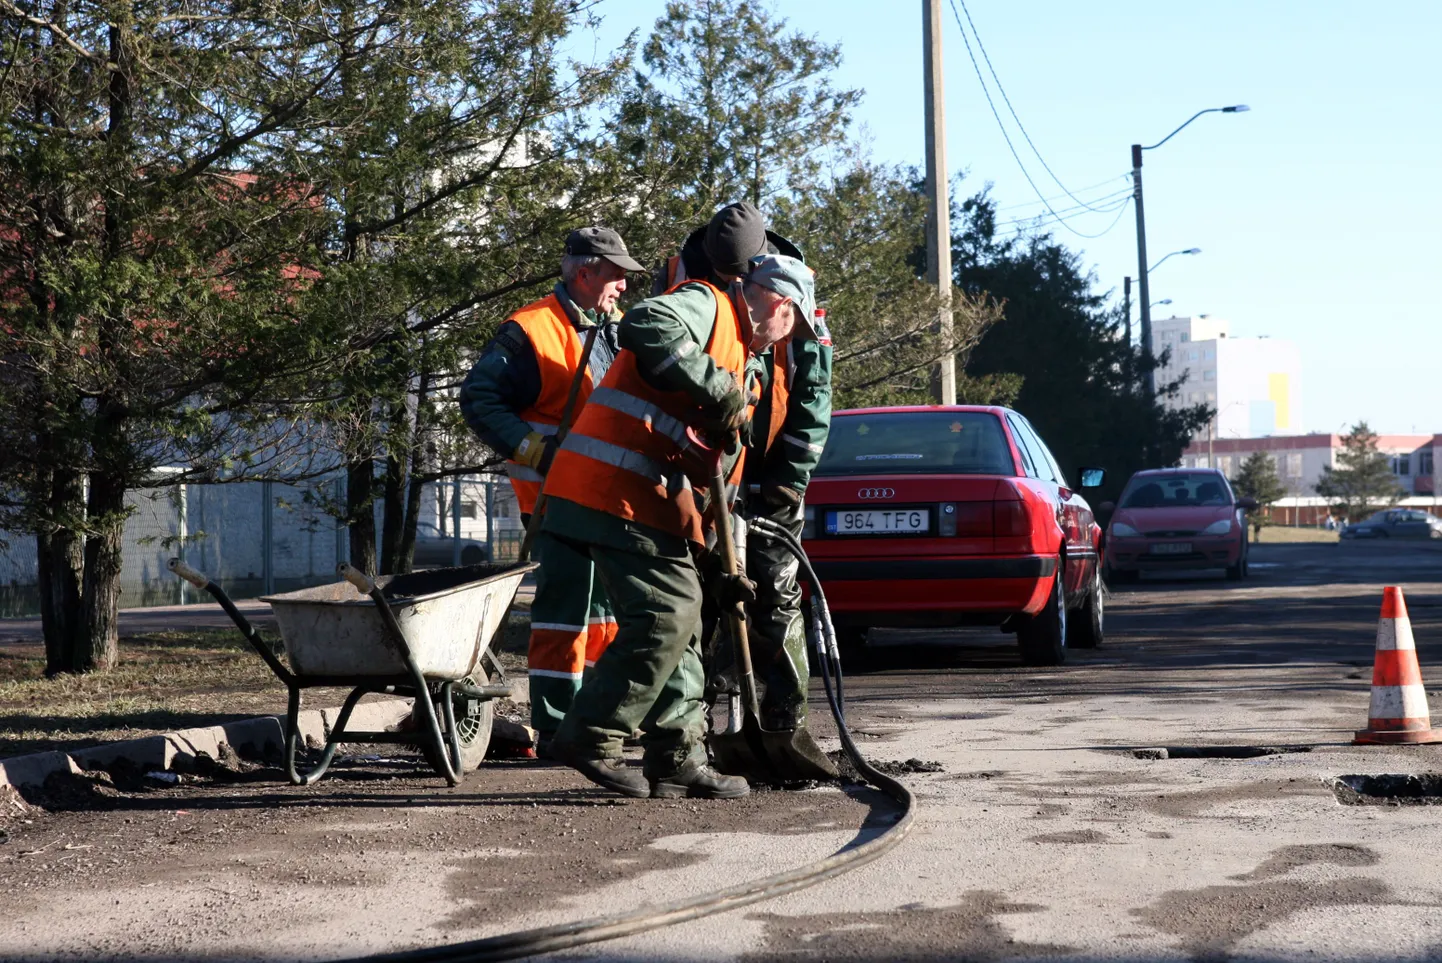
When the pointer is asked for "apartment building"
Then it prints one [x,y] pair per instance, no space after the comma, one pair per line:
[1253,383]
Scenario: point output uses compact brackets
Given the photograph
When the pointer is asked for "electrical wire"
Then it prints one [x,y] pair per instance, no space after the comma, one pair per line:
[1108,203]
[1123,176]
[548,939]
[1007,100]
[1121,209]
[986,91]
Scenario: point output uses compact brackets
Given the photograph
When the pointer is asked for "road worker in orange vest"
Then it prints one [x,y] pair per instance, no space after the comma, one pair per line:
[628,488]
[513,399]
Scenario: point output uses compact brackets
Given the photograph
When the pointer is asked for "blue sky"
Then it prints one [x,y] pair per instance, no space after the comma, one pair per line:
[1317,212]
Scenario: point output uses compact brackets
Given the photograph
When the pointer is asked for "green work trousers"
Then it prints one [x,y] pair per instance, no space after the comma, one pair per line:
[650,677]
[571,625]
[778,634]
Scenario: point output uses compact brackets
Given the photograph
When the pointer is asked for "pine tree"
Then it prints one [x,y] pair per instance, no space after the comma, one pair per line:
[1362,481]
[1257,479]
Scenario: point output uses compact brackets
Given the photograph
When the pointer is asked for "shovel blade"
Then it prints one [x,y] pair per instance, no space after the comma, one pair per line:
[762,755]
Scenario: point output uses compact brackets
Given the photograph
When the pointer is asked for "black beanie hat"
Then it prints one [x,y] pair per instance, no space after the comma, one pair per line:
[735,235]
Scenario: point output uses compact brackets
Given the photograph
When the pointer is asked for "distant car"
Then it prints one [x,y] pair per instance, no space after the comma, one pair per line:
[434,551]
[1396,523]
[1177,518]
[957,515]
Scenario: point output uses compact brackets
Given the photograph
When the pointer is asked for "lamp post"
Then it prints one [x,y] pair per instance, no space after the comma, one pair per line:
[1190,250]
[1162,301]
[1142,230]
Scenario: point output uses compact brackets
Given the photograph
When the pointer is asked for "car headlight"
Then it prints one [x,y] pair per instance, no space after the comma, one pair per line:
[1218,528]
[1123,530]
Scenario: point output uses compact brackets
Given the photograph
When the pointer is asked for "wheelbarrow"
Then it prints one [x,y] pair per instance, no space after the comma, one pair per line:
[423,635]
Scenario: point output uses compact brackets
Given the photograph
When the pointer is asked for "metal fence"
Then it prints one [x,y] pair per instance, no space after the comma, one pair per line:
[257,538]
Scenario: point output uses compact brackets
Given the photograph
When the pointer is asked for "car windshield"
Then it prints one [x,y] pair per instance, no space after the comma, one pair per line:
[917,442]
[1183,489]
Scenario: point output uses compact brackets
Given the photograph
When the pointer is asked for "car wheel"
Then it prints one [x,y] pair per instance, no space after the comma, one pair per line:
[1085,626]
[473,555]
[1042,636]
[473,726]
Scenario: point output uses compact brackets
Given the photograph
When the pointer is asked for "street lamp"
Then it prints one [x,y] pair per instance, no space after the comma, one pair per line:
[1162,301]
[1190,250]
[1142,229]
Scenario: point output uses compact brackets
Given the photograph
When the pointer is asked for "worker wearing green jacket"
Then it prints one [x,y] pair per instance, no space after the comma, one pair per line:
[627,488]
[788,434]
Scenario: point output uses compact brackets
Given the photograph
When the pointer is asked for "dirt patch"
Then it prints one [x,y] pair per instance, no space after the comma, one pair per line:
[1210,921]
[1074,836]
[968,931]
[513,836]
[1194,804]
[165,681]
[1288,858]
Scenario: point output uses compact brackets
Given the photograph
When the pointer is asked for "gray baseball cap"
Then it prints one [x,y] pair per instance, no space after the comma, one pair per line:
[602,242]
[788,277]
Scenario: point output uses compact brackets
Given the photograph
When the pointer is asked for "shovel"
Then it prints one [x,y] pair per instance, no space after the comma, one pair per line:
[789,755]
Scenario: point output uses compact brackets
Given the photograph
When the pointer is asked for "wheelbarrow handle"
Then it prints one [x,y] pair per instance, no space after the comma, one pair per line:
[193,576]
[364,584]
[262,648]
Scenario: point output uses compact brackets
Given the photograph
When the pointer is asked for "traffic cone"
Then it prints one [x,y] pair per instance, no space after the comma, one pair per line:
[1399,711]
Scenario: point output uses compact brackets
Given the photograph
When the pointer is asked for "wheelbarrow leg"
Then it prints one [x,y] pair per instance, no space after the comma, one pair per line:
[337,736]
[449,765]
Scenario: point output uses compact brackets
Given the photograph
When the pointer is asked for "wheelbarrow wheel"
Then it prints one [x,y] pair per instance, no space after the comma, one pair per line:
[473,726]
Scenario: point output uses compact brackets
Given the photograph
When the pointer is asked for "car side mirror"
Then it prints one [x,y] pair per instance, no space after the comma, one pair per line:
[1247,504]
[1092,477]
[1107,507]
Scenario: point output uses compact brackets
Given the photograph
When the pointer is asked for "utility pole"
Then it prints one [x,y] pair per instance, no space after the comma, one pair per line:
[1146,304]
[938,207]
[1127,307]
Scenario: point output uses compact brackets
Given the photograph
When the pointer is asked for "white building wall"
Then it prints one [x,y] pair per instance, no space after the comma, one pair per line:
[1255,384]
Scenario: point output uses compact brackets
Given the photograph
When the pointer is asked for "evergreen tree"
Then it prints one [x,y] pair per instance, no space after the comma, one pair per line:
[863,231]
[1362,481]
[1080,380]
[1257,479]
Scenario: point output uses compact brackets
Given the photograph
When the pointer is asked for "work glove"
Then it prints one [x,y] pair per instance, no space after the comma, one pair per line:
[780,496]
[726,416]
[536,452]
[734,590]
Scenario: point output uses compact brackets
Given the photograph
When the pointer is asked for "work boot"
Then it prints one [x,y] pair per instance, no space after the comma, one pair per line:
[699,781]
[610,772]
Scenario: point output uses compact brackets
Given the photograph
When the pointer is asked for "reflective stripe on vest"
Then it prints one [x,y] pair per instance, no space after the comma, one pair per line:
[557,347]
[622,455]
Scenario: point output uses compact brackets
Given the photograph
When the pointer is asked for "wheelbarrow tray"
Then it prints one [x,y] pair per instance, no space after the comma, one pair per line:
[449,617]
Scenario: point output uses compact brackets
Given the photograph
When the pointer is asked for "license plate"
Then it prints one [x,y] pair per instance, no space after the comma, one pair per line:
[879,521]
[1171,548]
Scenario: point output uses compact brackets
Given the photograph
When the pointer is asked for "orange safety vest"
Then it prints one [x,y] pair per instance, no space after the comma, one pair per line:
[622,454]
[557,347]
[780,390]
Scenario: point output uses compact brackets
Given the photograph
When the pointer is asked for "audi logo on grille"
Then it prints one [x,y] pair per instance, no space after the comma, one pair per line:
[876,493]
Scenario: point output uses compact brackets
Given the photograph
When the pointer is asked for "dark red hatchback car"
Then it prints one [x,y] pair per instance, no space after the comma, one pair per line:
[950,516]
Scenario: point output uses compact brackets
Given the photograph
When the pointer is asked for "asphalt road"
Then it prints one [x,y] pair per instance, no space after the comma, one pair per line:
[1051,831]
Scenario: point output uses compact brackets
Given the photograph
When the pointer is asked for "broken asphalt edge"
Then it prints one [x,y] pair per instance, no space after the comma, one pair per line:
[258,737]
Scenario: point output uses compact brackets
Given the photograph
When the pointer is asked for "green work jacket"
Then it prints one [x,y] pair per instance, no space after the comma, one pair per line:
[808,416]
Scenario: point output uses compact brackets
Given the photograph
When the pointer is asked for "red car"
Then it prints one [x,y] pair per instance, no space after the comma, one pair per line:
[947,516]
[1177,518]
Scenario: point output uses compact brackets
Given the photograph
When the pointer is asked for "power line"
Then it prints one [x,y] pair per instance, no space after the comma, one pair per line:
[1020,126]
[1104,204]
[1007,137]
[1118,177]
[1121,209]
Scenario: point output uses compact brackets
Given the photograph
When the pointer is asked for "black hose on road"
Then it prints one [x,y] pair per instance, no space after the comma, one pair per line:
[548,939]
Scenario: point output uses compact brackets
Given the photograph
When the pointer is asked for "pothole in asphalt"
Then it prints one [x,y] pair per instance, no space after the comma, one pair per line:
[1215,752]
[1389,789]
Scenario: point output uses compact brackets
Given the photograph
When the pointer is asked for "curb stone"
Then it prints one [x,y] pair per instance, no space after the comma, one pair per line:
[256,737]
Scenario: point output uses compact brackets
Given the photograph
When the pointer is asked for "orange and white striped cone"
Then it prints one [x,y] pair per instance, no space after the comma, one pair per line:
[1399,711]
